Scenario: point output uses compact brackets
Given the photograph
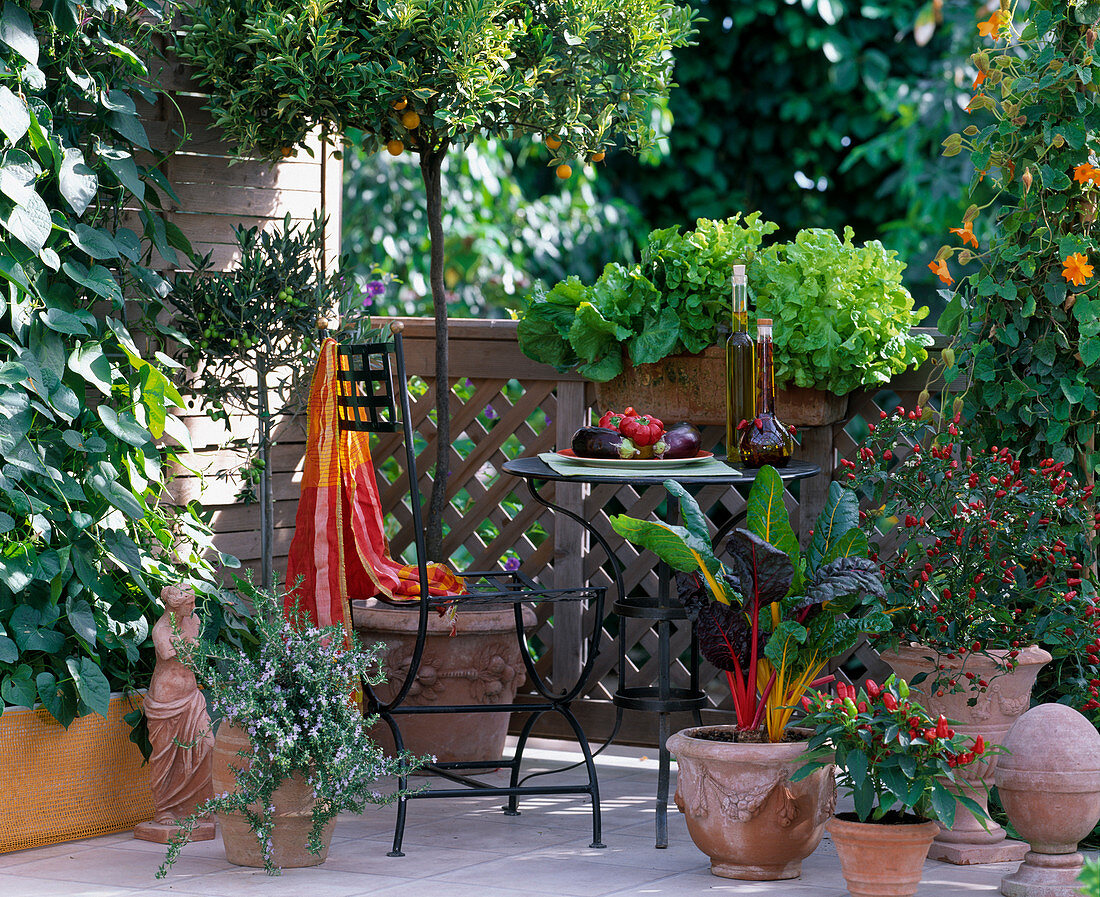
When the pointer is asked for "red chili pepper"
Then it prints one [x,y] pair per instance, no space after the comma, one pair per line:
[644,430]
[890,702]
[979,745]
[942,729]
[929,735]
[873,690]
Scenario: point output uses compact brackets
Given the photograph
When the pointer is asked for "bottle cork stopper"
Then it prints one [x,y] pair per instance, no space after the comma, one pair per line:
[738,270]
[763,322]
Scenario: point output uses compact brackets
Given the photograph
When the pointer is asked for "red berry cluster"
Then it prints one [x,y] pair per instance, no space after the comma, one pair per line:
[989,553]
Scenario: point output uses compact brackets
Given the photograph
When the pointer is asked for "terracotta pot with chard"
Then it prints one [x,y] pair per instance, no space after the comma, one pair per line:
[987,580]
[769,619]
[896,760]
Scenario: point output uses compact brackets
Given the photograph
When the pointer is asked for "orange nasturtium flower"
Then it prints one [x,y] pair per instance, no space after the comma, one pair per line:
[966,233]
[1077,269]
[939,268]
[1085,173]
[979,80]
[992,27]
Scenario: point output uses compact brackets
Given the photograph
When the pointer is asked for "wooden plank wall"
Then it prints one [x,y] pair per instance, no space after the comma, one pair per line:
[216,193]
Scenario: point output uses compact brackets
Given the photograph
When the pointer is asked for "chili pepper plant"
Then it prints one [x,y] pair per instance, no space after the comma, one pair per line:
[893,757]
[990,553]
[771,618]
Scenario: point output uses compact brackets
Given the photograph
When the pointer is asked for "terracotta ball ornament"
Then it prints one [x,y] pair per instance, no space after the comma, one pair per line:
[1049,784]
[179,728]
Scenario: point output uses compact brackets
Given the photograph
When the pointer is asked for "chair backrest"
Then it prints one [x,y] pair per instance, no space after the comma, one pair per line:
[370,388]
[365,395]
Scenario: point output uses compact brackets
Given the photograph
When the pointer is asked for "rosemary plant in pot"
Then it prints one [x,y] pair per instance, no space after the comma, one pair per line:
[770,619]
[987,581]
[894,759]
[292,750]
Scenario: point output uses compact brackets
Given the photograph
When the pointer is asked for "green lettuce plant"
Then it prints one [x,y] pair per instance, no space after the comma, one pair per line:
[842,317]
[675,300]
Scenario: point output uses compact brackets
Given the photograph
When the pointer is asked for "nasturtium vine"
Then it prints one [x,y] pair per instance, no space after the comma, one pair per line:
[1027,322]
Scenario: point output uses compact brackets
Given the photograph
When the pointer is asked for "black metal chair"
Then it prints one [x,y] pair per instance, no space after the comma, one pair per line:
[367,402]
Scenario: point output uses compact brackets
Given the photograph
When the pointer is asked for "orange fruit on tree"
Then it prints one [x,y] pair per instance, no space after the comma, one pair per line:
[395,147]
[410,120]
[286,151]
[552,142]
[400,104]
[564,171]
[598,157]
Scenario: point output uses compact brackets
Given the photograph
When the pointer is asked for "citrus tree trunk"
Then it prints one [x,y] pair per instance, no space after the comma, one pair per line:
[431,165]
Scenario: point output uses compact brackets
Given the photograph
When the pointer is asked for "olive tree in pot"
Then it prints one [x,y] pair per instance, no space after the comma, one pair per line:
[430,76]
[894,759]
[770,619]
[249,330]
[987,583]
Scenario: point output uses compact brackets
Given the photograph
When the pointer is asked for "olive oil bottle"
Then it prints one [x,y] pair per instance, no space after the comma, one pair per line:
[740,367]
[766,439]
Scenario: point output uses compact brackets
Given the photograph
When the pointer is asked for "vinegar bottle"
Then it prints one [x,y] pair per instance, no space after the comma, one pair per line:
[765,440]
[740,374]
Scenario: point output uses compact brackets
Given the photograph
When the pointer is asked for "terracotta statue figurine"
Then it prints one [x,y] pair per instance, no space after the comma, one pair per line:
[179,728]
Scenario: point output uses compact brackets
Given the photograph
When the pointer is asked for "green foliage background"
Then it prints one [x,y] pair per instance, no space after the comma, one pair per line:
[818,113]
[85,540]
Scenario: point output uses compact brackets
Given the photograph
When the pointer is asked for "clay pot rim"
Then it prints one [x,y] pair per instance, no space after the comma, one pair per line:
[853,827]
[766,751]
[917,651]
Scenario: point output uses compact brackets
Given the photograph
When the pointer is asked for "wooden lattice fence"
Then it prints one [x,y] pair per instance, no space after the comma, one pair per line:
[504,406]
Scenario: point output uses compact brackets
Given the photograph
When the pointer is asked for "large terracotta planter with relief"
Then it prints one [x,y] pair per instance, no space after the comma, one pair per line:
[742,809]
[479,664]
[881,859]
[1008,696]
[293,803]
[693,388]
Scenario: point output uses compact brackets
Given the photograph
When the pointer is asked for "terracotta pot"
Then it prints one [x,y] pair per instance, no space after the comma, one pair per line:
[293,817]
[743,811]
[479,664]
[1049,785]
[693,388]
[880,860]
[1007,697]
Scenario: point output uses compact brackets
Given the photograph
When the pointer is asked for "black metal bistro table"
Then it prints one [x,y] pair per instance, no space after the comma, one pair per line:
[662,698]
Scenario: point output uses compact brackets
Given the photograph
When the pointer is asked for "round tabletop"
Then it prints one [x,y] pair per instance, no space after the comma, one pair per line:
[537,469]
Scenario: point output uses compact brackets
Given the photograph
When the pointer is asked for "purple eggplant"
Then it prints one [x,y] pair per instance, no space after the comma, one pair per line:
[602,442]
[682,440]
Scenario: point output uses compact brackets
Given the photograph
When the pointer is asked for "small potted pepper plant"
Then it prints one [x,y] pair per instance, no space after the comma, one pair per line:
[293,749]
[986,582]
[770,619]
[894,758]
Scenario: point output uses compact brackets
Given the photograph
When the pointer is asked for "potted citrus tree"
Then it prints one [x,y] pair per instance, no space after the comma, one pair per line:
[985,583]
[648,335]
[292,750]
[770,619]
[893,758]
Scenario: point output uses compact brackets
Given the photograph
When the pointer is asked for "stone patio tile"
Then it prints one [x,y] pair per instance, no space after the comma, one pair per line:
[370,856]
[493,834]
[117,867]
[534,872]
[316,881]
[16,884]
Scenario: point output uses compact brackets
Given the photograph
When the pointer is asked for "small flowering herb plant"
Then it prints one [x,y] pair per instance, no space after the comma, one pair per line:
[990,551]
[293,694]
[893,757]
